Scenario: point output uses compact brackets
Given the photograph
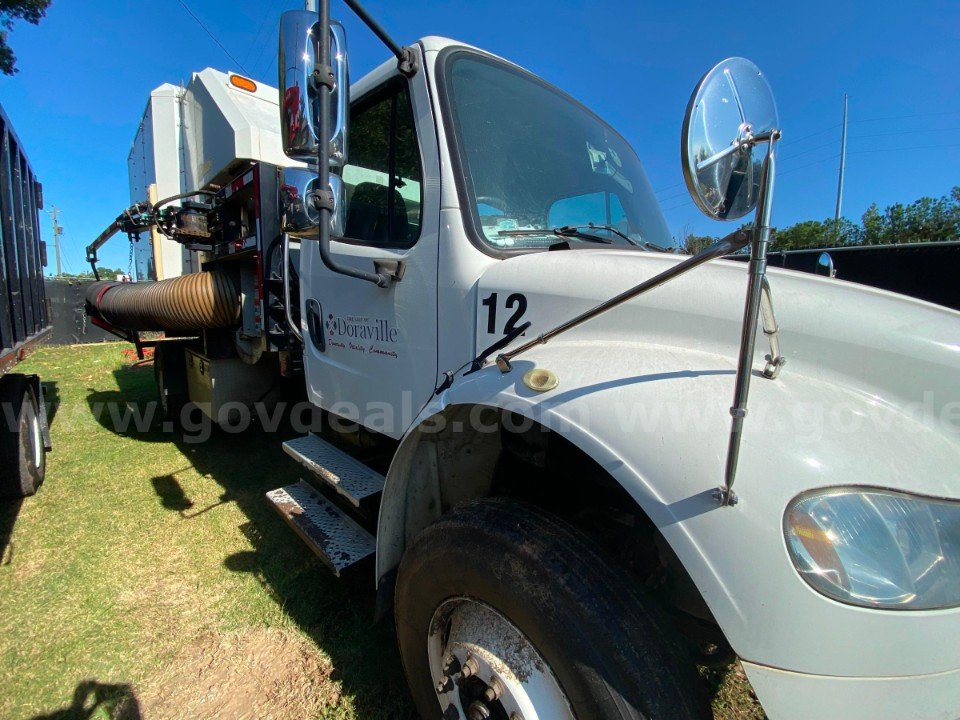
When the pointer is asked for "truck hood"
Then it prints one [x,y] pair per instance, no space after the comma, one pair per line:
[888,349]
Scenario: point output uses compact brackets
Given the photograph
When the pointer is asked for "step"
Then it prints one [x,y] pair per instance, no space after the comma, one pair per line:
[347,475]
[329,532]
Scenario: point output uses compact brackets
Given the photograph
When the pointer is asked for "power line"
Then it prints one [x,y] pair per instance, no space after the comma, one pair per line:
[787,138]
[668,198]
[213,37]
[271,12]
[809,164]
[905,132]
[810,150]
[675,207]
[668,187]
[906,117]
[253,43]
[914,147]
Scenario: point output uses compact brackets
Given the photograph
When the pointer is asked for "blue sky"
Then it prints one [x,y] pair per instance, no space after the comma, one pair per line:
[87,70]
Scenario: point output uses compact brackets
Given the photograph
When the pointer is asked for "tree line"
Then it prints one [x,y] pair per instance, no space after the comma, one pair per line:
[924,220]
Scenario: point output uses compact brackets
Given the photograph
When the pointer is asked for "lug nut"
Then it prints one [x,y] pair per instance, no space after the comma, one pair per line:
[516,716]
[451,666]
[470,667]
[444,685]
[493,691]
[451,713]
[478,711]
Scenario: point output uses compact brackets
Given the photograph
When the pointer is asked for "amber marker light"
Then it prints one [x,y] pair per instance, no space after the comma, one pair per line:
[239,81]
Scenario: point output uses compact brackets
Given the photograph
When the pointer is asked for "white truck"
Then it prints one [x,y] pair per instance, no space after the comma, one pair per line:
[558,532]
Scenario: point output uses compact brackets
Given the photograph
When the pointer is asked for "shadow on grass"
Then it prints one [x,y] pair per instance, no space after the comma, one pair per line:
[336,614]
[91,697]
[9,510]
[51,398]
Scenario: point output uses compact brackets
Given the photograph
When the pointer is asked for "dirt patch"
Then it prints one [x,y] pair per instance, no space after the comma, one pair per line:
[264,673]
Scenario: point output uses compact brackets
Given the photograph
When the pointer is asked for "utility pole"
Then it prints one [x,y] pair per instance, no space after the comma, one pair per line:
[57,232]
[843,163]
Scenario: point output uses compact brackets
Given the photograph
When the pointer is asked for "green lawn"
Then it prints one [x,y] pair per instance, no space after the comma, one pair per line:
[149,578]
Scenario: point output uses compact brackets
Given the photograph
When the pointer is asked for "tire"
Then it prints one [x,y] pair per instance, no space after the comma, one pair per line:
[23,461]
[609,648]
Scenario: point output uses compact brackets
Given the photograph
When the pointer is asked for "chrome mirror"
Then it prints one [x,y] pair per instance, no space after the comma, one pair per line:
[825,266]
[299,96]
[730,113]
[301,218]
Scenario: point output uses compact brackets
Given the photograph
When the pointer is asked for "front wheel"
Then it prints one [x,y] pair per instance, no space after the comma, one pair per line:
[504,612]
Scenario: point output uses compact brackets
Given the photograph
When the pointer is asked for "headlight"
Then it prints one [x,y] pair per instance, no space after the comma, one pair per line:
[877,548]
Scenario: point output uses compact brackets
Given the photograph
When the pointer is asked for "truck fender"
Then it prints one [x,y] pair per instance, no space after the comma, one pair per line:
[656,419]
[449,454]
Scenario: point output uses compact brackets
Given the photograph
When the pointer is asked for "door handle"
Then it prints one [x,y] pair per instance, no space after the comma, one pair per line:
[315,325]
[392,269]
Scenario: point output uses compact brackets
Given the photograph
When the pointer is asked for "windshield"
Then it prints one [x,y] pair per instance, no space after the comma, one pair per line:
[534,159]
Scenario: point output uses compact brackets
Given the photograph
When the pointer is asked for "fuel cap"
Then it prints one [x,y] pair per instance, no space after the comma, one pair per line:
[540,380]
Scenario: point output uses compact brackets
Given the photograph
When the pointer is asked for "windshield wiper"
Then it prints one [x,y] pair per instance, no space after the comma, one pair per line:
[644,243]
[564,232]
[658,248]
[610,228]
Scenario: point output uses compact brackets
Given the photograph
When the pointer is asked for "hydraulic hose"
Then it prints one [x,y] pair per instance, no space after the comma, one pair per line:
[198,301]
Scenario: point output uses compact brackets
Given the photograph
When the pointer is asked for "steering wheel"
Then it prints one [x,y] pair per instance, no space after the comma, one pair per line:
[496,203]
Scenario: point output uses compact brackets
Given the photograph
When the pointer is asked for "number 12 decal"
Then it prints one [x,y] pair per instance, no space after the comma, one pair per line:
[514,300]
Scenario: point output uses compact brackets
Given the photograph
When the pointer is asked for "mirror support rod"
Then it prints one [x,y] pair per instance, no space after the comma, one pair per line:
[323,198]
[730,244]
[748,334]
[406,59]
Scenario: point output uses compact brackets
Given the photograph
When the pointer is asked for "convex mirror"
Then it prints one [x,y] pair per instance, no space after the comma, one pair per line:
[730,114]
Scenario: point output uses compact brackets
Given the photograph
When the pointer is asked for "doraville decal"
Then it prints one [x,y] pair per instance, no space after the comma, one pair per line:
[361,328]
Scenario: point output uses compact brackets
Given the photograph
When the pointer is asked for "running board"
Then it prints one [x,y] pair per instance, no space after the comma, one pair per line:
[329,532]
[345,474]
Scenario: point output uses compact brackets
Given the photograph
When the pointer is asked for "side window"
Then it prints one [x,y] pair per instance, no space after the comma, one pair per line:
[383,177]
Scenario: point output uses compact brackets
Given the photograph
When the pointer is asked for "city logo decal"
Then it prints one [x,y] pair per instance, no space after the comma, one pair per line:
[362,334]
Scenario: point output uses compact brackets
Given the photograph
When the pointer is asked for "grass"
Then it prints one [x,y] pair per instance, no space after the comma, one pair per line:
[150,579]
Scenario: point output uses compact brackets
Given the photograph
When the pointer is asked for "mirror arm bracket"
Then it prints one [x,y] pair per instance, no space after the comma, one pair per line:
[323,76]
[406,57]
[407,63]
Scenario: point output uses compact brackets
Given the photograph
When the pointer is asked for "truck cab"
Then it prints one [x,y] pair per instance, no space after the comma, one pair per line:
[491,200]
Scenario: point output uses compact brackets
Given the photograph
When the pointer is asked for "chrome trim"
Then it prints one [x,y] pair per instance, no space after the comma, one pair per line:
[288,311]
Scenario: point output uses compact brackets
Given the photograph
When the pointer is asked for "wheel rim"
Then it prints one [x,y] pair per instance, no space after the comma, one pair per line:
[484,668]
[160,388]
[37,444]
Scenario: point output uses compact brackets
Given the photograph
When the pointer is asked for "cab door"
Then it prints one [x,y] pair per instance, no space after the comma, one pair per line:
[370,353]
